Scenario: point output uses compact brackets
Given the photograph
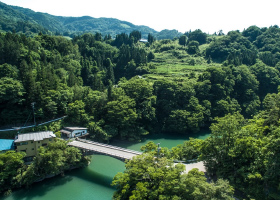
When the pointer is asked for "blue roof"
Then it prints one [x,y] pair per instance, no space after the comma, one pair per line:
[6,144]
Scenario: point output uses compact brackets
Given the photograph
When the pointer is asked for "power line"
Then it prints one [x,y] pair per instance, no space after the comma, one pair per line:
[24,127]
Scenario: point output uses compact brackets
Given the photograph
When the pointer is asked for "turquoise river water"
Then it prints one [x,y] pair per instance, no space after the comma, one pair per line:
[92,182]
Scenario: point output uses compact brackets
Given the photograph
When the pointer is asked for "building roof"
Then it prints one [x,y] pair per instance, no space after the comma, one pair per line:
[36,136]
[143,40]
[6,144]
[74,128]
[65,131]
[69,130]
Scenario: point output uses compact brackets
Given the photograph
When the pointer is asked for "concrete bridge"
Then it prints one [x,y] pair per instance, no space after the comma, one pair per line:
[90,147]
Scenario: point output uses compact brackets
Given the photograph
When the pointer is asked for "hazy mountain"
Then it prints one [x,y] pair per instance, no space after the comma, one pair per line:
[13,18]
[23,20]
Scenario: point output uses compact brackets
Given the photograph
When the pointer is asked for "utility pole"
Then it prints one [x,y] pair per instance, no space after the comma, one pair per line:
[158,150]
[33,104]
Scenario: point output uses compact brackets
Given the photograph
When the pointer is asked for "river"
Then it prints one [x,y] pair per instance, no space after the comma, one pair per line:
[92,182]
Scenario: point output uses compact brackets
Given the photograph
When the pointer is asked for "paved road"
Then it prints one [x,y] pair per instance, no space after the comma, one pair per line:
[198,165]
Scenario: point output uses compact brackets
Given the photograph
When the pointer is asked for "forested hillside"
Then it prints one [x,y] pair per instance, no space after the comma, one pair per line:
[22,20]
[122,89]
[167,85]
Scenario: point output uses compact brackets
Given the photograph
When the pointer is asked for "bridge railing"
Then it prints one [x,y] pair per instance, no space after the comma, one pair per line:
[101,151]
[110,146]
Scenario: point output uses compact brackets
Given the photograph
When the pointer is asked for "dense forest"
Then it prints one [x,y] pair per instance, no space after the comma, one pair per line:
[120,88]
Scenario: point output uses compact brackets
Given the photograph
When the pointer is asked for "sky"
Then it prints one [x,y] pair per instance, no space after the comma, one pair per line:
[183,15]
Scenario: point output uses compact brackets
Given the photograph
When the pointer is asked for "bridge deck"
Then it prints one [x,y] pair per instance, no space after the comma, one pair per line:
[121,153]
[110,150]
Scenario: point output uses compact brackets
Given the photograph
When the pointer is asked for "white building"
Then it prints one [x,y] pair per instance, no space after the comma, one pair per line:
[71,132]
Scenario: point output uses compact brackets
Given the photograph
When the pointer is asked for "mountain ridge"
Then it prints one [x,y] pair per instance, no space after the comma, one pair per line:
[27,21]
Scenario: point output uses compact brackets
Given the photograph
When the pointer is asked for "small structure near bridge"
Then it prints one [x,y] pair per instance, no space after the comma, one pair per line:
[72,132]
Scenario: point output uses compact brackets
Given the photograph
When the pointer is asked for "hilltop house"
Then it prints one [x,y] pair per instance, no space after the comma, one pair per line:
[6,145]
[31,142]
[71,132]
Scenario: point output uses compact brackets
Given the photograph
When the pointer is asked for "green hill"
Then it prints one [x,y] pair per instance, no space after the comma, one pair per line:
[13,18]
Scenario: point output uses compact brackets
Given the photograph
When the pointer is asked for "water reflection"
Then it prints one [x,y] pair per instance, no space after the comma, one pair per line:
[45,187]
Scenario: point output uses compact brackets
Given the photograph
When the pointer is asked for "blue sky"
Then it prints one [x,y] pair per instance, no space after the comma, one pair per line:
[183,15]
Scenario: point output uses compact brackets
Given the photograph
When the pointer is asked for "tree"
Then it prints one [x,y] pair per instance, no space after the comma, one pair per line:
[151,38]
[193,47]
[246,89]
[11,165]
[76,113]
[135,36]
[150,56]
[220,142]
[121,115]
[52,160]
[183,40]
[109,72]
[7,70]
[268,78]
[97,133]
[198,35]
[28,80]
[11,91]
[149,178]
[252,33]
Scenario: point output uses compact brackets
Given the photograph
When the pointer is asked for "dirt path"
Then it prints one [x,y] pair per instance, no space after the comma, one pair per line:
[198,165]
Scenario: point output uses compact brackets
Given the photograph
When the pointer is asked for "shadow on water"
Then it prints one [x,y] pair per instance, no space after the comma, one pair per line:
[203,134]
[94,177]
[39,189]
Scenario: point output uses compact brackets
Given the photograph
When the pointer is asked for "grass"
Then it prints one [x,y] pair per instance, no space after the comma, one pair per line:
[175,62]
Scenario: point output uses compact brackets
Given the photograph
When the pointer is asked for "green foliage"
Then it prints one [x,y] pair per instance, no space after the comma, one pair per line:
[107,86]
[52,160]
[11,164]
[151,38]
[168,34]
[11,91]
[149,178]
[121,115]
[7,70]
[268,78]
[76,113]
[234,48]
[183,40]
[252,33]
[193,47]
[29,22]
[198,36]
[76,78]
[242,152]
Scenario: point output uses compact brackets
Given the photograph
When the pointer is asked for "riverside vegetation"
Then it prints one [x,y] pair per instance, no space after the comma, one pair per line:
[120,88]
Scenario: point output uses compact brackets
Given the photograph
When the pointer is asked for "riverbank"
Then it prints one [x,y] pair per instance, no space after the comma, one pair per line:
[94,181]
